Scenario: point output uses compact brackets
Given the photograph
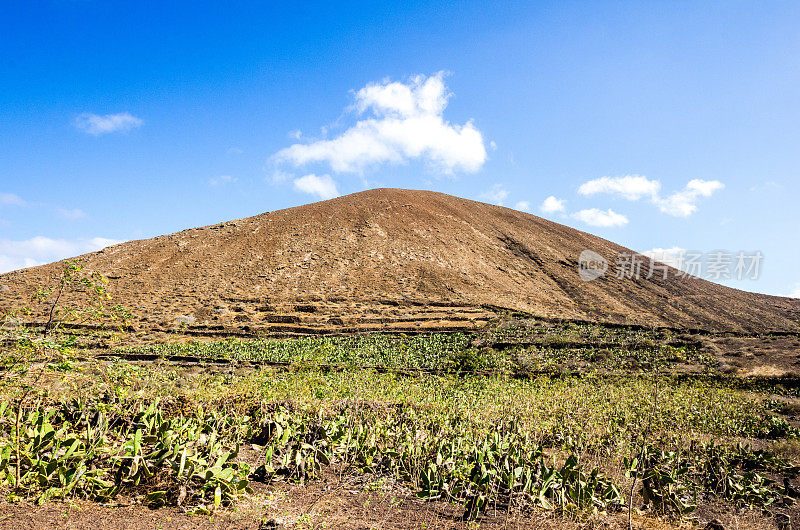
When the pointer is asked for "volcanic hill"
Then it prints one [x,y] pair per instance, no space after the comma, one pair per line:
[394,260]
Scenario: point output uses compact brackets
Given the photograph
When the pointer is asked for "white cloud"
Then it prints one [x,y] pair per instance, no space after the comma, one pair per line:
[96,125]
[12,263]
[72,215]
[221,180]
[234,150]
[523,206]
[406,124]
[631,187]
[497,195]
[39,250]
[674,257]
[323,186]
[595,217]
[552,205]
[681,203]
[684,203]
[278,177]
[9,199]
[793,292]
[769,185]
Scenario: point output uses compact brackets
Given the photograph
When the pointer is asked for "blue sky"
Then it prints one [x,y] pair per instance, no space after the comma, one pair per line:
[653,124]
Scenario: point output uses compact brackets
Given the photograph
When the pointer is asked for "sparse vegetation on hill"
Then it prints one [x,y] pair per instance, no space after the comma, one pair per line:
[165,436]
[528,348]
[496,414]
[527,416]
[393,261]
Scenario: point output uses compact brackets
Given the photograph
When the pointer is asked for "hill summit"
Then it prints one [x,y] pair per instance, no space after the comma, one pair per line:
[396,260]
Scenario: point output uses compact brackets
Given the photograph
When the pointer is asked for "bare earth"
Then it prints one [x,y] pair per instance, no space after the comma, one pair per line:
[394,260]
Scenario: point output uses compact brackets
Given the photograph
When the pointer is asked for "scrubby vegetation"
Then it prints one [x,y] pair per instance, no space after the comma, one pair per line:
[572,444]
[573,419]
[539,351]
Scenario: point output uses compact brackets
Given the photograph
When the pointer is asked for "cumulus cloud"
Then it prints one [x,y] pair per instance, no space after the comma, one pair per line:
[497,195]
[769,185]
[674,256]
[552,205]
[278,177]
[400,122]
[71,214]
[323,186]
[12,263]
[596,217]
[684,203]
[681,203]
[38,250]
[96,124]
[523,206]
[222,180]
[9,199]
[631,187]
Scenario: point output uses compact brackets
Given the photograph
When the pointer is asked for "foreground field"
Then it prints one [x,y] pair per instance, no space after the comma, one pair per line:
[520,426]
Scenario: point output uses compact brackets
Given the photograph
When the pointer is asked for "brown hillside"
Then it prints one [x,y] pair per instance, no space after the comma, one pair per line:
[394,259]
